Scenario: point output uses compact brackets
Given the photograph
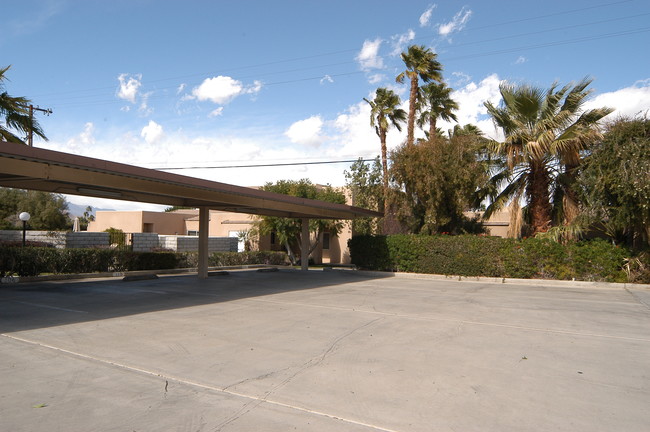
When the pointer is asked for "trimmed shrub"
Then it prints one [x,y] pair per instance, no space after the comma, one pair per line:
[32,261]
[467,255]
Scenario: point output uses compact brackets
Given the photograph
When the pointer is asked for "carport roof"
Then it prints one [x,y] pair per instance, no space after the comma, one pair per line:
[33,168]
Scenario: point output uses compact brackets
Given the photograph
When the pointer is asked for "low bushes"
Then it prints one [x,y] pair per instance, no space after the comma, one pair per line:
[466,255]
[32,261]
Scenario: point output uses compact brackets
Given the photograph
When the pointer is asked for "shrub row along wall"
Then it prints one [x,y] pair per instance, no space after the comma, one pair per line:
[32,261]
[595,260]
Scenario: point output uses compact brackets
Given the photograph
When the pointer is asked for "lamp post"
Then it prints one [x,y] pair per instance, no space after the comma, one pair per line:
[24,216]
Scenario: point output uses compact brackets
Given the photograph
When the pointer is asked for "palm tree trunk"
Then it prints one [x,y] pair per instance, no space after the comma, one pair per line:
[432,126]
[410,131]
[384,159]
[540,204]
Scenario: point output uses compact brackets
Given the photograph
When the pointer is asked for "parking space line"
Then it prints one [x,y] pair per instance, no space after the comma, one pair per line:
[196,384]
[50,307]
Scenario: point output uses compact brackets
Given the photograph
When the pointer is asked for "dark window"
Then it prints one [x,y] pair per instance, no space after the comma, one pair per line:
[326,240]
[272,237]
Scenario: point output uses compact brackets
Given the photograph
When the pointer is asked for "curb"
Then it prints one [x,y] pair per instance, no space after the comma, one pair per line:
[511,281]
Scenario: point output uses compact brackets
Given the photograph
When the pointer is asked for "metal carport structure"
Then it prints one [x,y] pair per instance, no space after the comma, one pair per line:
[25,167]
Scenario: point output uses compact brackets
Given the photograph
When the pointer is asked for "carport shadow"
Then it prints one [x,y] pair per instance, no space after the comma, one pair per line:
[47,304]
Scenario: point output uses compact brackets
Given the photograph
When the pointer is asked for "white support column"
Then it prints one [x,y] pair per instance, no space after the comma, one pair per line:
[304,248]
[204,224]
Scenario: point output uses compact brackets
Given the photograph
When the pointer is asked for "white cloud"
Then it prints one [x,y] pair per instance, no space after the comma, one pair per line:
[306,132]
[152,132]
[460,78]
[400,41]
[368,57]
[216,113]
[129,86]
[325,79]
[628,101]
[470,99]
[521,59]
[222,90]
[376,78]
[457,23]
[85,139]
[426,16]
[144,108]
[180,88]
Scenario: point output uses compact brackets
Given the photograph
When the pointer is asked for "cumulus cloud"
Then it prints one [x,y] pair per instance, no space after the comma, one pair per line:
[222,90]
[426,16]
[180,88]
[521,59]
[129,86]
[144,104]
[152,132]
[368,57]
[400,41]
[471,98]
[306,132]
[85,139]
[457,23]
[628,101]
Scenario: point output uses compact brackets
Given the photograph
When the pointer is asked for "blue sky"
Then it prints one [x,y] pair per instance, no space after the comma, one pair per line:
[221,83]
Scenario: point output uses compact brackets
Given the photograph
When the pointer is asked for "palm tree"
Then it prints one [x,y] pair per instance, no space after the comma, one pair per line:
[545,132]
[437,103]
[384,112]
[14,113]
[421,64]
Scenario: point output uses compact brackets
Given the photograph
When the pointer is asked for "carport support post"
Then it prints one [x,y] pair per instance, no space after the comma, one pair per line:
[204,223]
[304,247]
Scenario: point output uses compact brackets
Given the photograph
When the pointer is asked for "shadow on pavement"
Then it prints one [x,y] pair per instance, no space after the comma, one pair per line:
[55,303]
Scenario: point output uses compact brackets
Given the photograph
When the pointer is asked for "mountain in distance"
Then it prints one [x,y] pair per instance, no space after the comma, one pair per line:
[77,210]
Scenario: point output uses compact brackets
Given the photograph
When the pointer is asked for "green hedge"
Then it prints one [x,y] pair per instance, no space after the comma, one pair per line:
[32,261]
[467,255]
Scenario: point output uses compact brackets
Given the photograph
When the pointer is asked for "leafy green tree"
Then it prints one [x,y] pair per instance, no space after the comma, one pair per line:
[436,103]
[545,133]
[288,231]
[421,64]
[615,182]
[384,112]
[364,181]
[14,115]
[48,211]
[437,181]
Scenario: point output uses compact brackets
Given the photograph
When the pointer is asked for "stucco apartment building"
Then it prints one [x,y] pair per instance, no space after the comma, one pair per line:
[332,249]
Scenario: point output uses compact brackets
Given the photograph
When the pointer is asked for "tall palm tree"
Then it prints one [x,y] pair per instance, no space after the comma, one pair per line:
[14,114]
[545,133]
[436,103]
[384,113]
[421,64]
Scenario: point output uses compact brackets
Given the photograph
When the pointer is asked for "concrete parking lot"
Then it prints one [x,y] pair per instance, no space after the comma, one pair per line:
[323,351]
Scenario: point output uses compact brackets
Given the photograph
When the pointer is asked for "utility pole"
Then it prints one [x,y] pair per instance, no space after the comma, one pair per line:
[30,136]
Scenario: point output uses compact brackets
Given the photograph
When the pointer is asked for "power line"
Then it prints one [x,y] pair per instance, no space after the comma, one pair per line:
[266,165]
[294,59]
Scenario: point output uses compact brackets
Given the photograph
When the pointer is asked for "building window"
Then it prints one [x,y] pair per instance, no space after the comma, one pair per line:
[148,228]
[272,237]
[326,241]
[192,233]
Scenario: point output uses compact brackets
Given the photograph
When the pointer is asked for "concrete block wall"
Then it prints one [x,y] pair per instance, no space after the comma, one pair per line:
[83,239]
[145,242]
[55,238]
[191,243]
